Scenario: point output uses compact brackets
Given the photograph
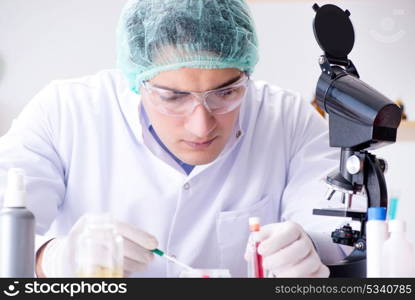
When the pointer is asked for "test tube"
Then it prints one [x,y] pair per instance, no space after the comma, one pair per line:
[255,268]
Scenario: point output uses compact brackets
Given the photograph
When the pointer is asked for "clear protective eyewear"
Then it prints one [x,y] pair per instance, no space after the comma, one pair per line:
[181,103]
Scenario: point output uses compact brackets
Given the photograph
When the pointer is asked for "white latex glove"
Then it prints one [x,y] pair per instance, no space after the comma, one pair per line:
[59,254]
[287,251]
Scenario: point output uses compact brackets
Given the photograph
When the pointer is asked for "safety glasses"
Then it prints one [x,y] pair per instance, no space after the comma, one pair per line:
[182,103]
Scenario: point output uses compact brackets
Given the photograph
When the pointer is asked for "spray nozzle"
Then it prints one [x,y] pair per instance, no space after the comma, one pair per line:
[16,192]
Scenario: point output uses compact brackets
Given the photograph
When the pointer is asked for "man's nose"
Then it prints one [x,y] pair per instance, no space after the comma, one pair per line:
[201,122]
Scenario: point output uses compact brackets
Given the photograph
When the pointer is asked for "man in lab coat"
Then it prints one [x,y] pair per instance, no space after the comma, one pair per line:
[181,147]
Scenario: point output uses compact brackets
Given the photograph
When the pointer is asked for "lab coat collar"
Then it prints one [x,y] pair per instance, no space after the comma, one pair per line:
[129,104]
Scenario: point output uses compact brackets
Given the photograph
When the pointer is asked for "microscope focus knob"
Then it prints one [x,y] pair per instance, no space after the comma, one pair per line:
[354,165]
[383,165]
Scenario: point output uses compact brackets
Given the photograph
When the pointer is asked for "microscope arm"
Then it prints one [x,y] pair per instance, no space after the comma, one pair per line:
[375,181]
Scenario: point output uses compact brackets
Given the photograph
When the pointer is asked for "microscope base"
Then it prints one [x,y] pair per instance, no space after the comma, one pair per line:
[348,269]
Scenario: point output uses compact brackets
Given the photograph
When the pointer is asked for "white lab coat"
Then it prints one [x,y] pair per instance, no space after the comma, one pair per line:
[84,149]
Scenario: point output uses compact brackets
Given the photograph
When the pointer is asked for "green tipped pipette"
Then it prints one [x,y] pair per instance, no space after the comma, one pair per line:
[172,259]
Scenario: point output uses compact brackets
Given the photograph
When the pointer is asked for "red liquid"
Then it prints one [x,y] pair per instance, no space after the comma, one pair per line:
[259,270]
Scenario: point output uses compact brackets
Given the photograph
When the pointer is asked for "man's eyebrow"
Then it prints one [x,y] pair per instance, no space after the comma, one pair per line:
[228,82]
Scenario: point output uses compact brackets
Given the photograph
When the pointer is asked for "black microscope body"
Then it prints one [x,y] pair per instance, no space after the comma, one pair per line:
[360,119]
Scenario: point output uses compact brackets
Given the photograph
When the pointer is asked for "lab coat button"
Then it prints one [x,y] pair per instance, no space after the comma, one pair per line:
[186,186]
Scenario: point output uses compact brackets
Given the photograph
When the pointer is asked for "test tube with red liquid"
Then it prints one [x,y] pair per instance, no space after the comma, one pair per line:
[255,268]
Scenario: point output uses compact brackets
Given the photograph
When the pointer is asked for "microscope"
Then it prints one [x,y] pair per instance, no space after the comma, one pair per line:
[360,118]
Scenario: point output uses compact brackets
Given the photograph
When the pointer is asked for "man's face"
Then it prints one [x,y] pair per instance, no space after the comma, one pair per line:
[186,136]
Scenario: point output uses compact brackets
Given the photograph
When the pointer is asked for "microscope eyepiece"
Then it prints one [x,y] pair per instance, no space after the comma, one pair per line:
[360,117]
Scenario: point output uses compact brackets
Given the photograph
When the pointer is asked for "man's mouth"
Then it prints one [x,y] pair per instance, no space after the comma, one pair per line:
[199,144]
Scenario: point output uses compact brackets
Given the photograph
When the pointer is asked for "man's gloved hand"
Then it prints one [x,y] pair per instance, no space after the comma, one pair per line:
[287,251]
[59,255]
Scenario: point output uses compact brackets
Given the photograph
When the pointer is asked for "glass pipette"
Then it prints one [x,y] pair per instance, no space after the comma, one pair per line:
[172,259]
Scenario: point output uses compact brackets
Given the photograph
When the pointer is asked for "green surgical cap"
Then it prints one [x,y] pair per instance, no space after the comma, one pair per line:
[160,35]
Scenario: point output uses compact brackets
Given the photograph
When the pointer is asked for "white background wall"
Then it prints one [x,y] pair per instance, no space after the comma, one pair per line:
[42,40]
[384,49]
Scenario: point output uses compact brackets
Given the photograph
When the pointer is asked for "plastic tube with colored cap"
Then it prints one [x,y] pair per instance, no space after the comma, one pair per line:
[255,268]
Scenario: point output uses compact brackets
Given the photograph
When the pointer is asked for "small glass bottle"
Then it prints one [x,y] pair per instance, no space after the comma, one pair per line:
[255,269]
[99,251]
